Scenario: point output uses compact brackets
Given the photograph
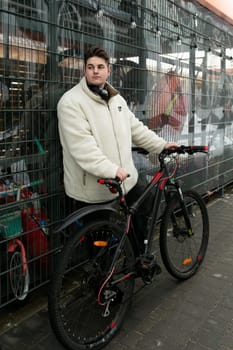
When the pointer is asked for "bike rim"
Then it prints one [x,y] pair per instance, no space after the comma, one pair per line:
[186,248]
[81,317]
[19,276]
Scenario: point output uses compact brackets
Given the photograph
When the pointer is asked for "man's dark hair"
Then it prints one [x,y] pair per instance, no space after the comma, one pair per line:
[96,51]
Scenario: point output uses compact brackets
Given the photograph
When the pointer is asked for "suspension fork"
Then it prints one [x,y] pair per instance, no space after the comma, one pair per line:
[183,207]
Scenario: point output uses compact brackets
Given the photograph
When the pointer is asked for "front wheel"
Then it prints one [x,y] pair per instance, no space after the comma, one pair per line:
[87,304]
[183,248]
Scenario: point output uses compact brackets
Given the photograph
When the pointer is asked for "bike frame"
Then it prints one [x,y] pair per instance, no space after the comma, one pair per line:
[162,183]
[161,180]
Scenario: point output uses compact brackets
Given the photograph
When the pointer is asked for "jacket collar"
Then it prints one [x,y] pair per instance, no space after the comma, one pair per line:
[111,90]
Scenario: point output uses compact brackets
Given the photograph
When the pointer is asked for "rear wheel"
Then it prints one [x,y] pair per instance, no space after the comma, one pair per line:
[87,304]
[183,249]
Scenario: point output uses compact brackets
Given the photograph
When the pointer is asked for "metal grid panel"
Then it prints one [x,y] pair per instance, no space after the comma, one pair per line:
[172,61]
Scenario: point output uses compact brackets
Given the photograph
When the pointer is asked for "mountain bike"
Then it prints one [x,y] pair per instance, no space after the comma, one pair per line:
[93,282]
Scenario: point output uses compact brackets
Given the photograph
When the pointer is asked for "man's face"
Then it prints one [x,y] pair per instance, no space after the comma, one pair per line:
[97,71]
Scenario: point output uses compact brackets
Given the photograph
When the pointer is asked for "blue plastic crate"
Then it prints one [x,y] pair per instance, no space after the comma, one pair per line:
[11,224]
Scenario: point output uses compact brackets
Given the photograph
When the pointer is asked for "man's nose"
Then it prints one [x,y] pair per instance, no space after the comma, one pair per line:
[95,69]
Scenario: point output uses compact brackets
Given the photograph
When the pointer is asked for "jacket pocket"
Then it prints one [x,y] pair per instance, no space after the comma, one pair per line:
[84,178]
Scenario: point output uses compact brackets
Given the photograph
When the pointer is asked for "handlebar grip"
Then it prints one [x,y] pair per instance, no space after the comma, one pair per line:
[199,148]
[193,149]
[114,185]
[109,182]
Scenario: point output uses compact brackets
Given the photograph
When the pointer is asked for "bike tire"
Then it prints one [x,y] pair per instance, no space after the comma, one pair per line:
[18,274]
[183,251]
[76,317]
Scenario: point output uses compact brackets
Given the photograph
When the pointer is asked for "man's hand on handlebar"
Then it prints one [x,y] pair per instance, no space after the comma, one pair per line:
[122,174]
[171,145]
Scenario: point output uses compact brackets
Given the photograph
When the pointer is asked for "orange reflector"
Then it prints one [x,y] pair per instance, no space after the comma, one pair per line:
[100,243]
[187,261]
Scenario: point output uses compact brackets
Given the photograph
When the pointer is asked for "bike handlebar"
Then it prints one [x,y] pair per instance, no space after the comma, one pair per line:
[180,150]
[186,149]
[114,185]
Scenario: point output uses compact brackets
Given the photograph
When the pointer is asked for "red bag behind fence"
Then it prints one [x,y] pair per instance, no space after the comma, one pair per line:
[35,240]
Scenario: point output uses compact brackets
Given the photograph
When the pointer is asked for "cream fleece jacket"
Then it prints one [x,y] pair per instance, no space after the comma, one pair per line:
[96,138]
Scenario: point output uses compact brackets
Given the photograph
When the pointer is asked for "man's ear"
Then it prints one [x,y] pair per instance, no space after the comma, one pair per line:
[109,70]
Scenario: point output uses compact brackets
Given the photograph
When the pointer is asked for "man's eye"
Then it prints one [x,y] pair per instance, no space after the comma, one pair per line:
[97,67]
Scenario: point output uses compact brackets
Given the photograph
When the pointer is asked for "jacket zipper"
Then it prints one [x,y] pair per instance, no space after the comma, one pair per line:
[116,141]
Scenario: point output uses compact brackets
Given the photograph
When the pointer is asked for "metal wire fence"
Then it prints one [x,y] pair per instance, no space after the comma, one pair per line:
[172,61]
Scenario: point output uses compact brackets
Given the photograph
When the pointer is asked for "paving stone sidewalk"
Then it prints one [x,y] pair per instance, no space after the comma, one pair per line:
[169,315]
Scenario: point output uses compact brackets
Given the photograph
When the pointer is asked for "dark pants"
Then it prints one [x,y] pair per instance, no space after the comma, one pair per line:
[141,217]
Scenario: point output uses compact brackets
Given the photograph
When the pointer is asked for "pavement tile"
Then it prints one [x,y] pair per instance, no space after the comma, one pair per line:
[217,325]
[213,340]
[194,346]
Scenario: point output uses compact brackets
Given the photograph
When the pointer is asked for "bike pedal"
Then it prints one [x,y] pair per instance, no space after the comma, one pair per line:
[148,266]
[150,262]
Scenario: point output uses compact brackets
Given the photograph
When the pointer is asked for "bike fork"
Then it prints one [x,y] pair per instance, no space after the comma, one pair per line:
[184,210]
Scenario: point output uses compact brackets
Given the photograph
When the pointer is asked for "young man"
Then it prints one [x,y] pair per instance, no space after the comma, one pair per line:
[97,130]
